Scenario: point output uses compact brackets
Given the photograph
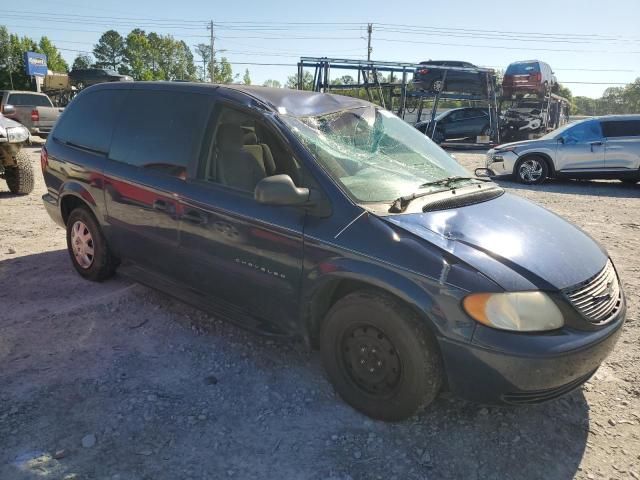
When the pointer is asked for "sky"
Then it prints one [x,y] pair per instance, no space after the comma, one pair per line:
[590,45]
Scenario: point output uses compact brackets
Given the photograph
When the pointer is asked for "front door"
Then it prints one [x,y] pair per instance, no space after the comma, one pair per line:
[581,148]
[244,254]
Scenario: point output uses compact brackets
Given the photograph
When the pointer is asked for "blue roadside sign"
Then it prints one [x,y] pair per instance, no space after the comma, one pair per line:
[35,64]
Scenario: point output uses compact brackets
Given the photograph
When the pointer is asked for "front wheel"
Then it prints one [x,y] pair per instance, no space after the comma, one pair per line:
[379,356]
[531,170]
[87,246]
[20,179]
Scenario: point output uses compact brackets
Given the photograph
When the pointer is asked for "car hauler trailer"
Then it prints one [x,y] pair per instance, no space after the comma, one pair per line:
[398,93]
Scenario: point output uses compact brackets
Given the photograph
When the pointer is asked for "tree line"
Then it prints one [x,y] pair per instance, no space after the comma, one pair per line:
[152,56]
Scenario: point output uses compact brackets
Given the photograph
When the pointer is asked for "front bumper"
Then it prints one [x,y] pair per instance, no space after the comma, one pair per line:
[502,163]
[514,368]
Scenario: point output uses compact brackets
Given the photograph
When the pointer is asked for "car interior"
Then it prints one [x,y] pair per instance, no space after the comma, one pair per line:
[244,151]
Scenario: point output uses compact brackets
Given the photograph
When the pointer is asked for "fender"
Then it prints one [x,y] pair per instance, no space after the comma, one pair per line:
[76,189]
[429,298]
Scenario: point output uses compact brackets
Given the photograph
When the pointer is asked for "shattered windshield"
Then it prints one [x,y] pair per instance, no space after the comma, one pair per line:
[373,154]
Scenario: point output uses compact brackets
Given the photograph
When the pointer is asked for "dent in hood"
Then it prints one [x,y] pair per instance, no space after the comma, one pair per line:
[514,242]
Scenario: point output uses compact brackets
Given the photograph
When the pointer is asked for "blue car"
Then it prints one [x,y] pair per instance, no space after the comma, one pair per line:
[329,219]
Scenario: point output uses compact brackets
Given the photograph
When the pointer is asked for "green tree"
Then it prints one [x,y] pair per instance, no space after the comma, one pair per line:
[137,55]
[204,52]
[307,81]
[110,50]
[13,47]
[272,83]
[82,61]
[55,62]
[222,71]
[246,79]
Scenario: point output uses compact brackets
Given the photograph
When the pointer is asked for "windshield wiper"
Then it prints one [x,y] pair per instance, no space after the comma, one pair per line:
[400,204]
[449,180]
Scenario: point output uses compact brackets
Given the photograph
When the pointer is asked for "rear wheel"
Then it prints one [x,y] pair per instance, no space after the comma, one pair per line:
[531,170]
[379,356]
[20,177]
[87,246]
[437,86]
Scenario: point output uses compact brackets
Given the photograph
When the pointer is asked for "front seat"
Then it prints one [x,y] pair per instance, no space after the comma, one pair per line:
[261,151]
[236,167]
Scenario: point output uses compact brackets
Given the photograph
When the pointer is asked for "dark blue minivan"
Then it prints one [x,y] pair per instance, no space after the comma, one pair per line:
[330,219]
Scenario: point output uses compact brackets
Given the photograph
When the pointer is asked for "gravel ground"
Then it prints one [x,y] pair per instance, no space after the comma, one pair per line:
[114,381]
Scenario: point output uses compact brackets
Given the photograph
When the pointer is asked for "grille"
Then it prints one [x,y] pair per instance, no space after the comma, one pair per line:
[598,299]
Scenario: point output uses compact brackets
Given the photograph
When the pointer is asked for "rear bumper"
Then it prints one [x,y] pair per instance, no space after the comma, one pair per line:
[53,209]
[524,368]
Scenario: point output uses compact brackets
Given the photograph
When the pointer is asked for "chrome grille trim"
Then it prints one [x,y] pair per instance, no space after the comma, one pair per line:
[598,299]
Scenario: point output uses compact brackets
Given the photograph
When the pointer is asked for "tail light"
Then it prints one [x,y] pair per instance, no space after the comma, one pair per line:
[44,159]
[423,71]
[35,115]
[538,77]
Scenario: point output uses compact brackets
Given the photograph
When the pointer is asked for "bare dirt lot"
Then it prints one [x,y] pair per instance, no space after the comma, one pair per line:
[115,381]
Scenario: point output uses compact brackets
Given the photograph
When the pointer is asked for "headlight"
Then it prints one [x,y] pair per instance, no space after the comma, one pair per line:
[519,311]
[17,134]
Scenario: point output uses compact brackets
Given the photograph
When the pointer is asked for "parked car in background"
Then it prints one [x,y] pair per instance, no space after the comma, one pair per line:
[528,76]
[15,165]
[458,123]
[331,219]
[33,110]
[91,76]
[430,77]
[599,147]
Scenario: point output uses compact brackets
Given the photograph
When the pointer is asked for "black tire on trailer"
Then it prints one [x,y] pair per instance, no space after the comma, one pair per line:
[380,356]
[20,178]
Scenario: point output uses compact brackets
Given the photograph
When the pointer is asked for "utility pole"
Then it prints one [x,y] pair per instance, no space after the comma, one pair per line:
[369,49]
[213,52]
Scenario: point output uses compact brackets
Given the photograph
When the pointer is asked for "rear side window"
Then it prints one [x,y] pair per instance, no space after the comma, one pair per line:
[28,100]
[522,68]
[89,120]
[160,130]
[621,128]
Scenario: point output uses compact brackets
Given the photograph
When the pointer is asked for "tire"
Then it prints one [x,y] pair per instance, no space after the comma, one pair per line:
[437,85]
[531,170]
[408,374]
[98,265]
[20,179]
[486,131]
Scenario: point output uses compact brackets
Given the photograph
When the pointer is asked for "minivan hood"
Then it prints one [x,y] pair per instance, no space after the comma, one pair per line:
[514,242]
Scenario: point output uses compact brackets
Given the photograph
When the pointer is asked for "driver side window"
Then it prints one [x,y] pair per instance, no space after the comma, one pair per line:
[584,132]
[244,150]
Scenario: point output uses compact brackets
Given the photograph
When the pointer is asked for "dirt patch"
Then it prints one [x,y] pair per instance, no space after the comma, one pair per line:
[114,381]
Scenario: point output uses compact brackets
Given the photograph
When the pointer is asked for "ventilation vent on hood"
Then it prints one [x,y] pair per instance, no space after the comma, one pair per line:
[456,201]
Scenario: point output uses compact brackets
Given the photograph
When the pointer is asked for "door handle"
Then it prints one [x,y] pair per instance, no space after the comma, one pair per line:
[194,217]
[595,144]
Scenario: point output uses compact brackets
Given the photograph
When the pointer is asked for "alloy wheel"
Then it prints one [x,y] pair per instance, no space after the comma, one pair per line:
[437,85]
[372,362]
[530,170]
[82,244]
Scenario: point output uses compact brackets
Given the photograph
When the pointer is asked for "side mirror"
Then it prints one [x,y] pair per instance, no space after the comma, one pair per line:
[483,172]
[280,190]
[8,109]
[561,140]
